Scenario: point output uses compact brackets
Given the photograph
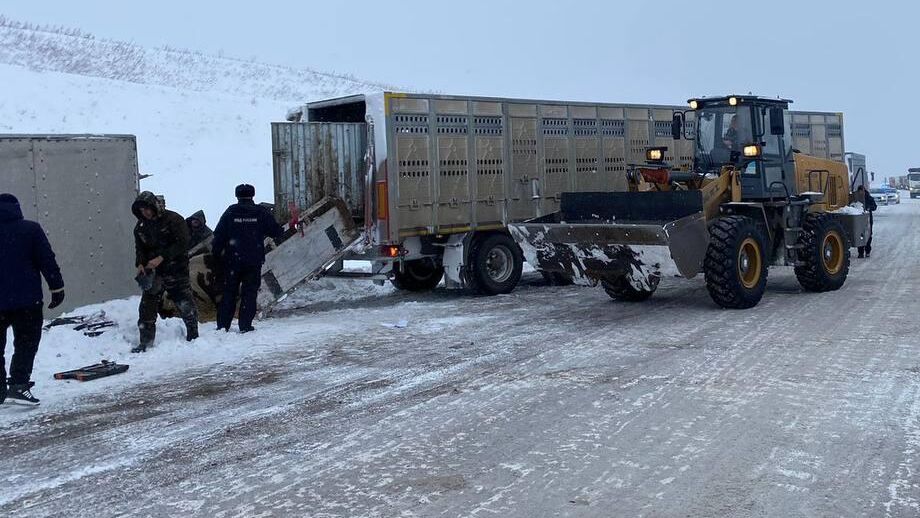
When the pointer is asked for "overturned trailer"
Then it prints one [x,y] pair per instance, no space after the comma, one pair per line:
[432,181]
[80,188]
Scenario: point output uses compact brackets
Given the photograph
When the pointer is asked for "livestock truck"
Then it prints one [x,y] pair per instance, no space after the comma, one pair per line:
[425,185]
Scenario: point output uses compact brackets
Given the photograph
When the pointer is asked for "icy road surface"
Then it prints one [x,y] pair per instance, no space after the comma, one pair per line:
[548,402]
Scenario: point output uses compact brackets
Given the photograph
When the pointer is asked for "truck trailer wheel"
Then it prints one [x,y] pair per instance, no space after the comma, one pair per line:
[418,275]
[621,289]
[495,264]
[735,266]
[825,255]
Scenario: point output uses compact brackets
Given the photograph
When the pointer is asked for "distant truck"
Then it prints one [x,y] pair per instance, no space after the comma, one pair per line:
[913,181]
[432,181]
[80,188]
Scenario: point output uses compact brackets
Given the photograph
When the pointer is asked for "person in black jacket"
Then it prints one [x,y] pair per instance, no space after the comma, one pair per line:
[869,204]
[239,246]
[161,245]
[25,257]
[198,231]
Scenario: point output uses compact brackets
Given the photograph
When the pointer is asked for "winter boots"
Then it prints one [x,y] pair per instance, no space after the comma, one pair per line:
[191,332]
[21,393]
[148,334]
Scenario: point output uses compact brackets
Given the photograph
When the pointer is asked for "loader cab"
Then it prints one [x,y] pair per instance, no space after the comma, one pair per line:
[750,134]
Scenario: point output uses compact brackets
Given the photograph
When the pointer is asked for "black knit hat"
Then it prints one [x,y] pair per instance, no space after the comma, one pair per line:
[245,191]
[8,198]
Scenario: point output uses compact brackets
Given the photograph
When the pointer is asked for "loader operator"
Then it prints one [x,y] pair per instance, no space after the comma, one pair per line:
[239,247]
[161,244]
[732,138]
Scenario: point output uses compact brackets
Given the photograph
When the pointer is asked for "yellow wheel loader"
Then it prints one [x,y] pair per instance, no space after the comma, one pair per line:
[749,201]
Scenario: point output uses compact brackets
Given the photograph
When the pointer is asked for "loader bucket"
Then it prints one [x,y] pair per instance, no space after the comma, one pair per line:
[604,236]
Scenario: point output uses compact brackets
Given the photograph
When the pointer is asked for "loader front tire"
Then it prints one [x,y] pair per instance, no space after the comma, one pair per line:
[735,266]
[495,264]
[621,289]
[825,254]
[418,275]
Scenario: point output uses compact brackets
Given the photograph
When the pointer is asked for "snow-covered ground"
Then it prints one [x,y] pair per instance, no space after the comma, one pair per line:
[202,122]
[551,401]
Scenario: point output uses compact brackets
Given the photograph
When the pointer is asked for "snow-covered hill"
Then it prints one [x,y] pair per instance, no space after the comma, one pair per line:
[202,122]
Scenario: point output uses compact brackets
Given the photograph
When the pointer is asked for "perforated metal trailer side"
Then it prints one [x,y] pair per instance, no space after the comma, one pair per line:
[448,173]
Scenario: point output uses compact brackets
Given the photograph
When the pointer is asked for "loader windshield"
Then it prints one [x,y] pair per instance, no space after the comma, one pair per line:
[722,132]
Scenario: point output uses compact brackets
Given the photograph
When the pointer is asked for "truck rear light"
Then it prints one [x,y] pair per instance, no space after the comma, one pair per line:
[391,251]
[383,209]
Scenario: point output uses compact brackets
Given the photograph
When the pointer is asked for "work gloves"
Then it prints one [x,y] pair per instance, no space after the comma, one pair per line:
[56,298]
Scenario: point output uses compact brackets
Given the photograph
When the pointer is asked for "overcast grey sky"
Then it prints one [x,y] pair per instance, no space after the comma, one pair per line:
[860,59]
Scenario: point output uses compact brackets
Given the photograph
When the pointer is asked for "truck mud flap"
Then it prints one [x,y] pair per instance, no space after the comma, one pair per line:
[591,252]
[325,232]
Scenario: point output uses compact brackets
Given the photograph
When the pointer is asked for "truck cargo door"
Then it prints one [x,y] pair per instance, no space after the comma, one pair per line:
[523,170]
[490,143]
[414,169]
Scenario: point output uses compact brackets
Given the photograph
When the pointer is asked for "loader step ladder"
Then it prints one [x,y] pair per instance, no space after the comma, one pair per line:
[792,232]
[322,237]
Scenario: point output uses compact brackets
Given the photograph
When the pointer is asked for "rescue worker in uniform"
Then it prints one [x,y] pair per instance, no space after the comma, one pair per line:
[161,245]
[25,257]
[239,247]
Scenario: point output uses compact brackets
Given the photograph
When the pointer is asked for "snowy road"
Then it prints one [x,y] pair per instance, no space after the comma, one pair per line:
[548,402]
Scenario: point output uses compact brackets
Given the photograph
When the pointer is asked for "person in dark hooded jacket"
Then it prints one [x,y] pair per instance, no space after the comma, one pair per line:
[25,257]
[864,196]
[198,230]
[239,245]
[161,247]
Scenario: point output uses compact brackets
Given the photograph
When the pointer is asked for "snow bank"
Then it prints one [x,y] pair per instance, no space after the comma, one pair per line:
[63,349]
[202,122]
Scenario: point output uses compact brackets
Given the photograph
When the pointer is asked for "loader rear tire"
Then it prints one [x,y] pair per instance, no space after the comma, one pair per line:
[495,263]
[418,275]
[735,266]
[825,256]
[621,289]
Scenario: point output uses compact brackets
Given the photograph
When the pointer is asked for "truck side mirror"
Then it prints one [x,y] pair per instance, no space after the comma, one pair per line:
[777,121]
[677,125]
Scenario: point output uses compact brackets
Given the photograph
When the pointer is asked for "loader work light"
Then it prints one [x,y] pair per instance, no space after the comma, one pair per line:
[655,154]
[733,101]
[752,151]
[694,104]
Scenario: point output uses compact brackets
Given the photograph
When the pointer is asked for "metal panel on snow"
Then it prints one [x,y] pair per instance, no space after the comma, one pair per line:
[81,191]
[17,174]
